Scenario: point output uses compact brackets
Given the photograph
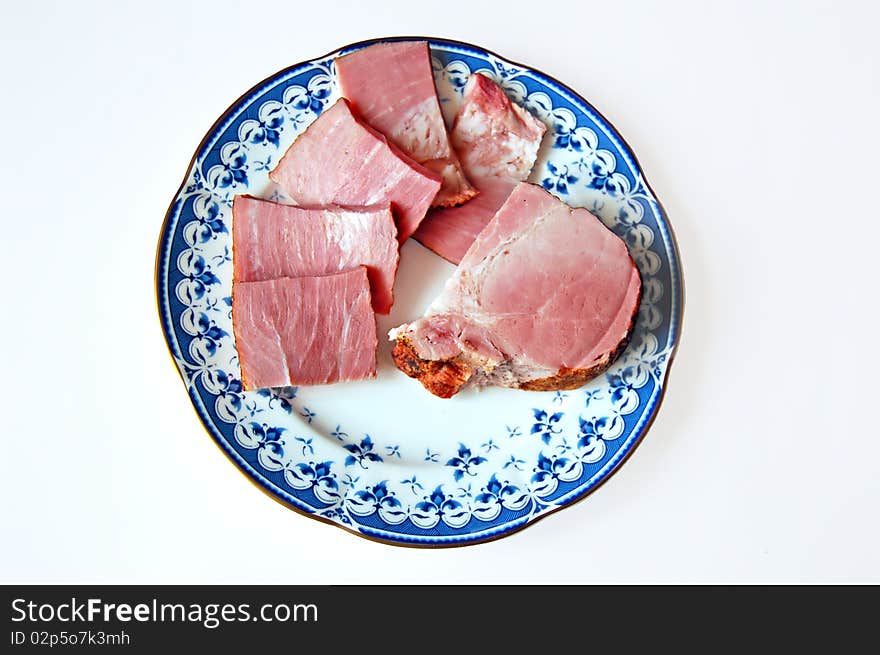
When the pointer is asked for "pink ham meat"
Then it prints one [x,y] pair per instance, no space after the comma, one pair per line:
[450,232]
[497,142]
[271,240]
[339,160]
[304,330]
[391,86]
[544,299]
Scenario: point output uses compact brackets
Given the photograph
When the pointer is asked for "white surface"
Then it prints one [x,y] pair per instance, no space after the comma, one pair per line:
[757,127]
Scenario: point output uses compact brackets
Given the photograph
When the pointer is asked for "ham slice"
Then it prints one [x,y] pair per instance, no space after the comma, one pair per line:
[391,86]
[450,232]
[494,136]
[304,330]
[271,240]
[339,160]
[544,299]
[498,142]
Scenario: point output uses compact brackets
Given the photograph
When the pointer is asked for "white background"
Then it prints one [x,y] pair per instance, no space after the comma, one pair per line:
[756,124]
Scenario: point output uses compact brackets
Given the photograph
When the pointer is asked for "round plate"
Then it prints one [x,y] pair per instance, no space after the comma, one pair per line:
[384,458]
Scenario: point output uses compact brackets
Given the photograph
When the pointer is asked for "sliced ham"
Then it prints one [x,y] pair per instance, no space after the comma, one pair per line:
[497,142]
[271,240]
[339,160]
[450,232]
[304,330]
[544,299]
[391,86]
[493,136]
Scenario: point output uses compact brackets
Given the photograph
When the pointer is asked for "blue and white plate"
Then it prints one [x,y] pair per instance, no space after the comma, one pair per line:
[384,458]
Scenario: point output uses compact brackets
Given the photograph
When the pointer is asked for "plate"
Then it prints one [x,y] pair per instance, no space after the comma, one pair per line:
[383,458]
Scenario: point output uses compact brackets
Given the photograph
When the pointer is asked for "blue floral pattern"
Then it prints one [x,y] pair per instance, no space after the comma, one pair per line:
[545,452]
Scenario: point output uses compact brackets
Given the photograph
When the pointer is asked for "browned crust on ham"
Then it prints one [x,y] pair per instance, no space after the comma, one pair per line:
[442,378]
[574,378]
[568,379]
[245,385]
[443,199]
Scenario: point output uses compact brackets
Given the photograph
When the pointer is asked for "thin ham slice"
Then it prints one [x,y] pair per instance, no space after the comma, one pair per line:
[304,330]
[450,232]
[271,240]
[544,299]
[497,142]
[391,86]
[341,161]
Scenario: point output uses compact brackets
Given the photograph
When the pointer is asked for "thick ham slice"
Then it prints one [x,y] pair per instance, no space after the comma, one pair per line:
[339,160]
[304,330]
[391,86]
[544,299]
[497,142]
[271,240]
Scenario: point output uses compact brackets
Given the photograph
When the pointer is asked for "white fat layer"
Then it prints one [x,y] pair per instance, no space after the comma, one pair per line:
[347,228]
[423,134]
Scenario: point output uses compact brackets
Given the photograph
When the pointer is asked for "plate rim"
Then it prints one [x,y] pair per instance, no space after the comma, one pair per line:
[471,539]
